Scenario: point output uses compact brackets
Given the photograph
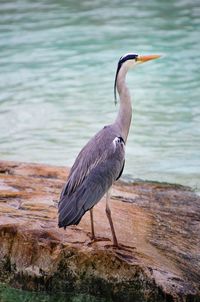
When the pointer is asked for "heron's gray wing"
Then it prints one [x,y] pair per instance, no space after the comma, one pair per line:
[88,159]
[94,186]
[122,169]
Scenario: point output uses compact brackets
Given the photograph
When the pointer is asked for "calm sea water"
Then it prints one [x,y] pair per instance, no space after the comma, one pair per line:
[57,67]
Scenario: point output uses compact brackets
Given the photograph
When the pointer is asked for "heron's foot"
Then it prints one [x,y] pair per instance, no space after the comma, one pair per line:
[96,239]
[121,247]
[126,247]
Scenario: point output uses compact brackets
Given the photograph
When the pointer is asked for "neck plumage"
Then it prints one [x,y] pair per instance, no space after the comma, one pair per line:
[124,116]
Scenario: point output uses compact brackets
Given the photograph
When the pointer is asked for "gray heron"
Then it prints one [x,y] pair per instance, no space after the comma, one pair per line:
[101,161]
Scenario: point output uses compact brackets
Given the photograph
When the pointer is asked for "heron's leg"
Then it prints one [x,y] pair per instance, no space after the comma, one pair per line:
[108,213]
[92,223]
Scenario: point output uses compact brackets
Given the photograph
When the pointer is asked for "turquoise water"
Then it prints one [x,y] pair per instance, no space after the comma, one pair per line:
[57,67]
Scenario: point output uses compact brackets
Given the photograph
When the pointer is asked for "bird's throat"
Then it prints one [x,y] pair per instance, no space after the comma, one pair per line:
[124,116]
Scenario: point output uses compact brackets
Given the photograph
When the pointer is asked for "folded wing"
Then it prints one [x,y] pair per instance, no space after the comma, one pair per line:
[98,178]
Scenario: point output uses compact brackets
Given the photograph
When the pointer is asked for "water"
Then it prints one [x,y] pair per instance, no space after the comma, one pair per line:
[57,67]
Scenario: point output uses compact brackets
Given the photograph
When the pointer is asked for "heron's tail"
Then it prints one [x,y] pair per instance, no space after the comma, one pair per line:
[72,207]
[68,212]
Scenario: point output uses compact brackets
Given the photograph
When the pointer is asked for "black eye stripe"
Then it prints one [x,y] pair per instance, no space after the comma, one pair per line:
[130,56]
[127,57]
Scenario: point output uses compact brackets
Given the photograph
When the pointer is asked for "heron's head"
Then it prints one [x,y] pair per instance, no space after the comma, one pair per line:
[130,60]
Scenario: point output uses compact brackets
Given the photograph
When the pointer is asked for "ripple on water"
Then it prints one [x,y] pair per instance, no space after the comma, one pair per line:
[58,64]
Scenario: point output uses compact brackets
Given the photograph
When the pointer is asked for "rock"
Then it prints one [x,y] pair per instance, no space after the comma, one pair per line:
[157,224]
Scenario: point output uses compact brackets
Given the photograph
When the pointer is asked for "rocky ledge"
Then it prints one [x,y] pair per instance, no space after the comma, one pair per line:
[157,224]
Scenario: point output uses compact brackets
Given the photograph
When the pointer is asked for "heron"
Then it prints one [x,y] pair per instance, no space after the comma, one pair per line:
[101,161]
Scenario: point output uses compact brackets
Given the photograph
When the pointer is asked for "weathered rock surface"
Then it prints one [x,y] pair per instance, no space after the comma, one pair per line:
[158,227]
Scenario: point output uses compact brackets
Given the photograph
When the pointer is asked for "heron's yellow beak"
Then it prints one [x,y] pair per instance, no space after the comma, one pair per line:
[142,59]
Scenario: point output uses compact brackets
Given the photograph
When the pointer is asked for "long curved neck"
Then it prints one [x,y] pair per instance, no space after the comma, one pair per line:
[124,116]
